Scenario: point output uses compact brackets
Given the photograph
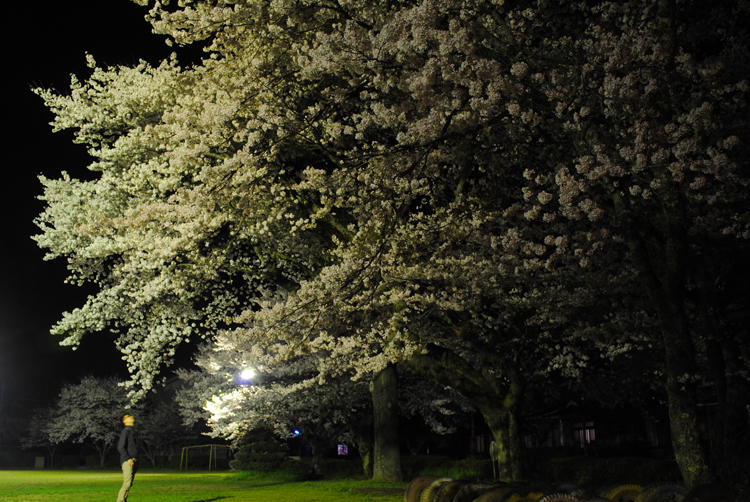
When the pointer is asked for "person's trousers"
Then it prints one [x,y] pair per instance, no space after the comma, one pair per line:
[128,473]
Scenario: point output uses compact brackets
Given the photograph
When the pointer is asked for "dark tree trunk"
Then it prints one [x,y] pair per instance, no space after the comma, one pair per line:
[661,262]
[496,417]
[386,451]
[514,401]
[500,406]
[362,433]
[682,402]
[717,373]
[51,450]
[738,390]
[504,418]
[660,254]
[319,447]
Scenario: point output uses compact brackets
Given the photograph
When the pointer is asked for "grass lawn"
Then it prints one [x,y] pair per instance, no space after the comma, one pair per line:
[163,486]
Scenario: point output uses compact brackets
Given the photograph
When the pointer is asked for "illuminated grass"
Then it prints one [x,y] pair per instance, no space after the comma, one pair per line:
[90,486]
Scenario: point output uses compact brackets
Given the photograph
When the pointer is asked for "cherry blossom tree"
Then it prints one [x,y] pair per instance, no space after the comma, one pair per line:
[160,429]
[448,184]
[429,210]
[90,413]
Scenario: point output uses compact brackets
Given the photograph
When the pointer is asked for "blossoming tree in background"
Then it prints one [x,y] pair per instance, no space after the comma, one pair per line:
[161,430]
[90,413]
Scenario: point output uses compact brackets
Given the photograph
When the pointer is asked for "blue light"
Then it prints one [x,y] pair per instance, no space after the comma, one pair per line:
[296,432]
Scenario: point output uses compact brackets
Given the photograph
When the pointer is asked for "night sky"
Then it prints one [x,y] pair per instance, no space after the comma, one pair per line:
[46,41]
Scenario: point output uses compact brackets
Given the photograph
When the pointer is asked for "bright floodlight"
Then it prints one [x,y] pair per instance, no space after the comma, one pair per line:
[247,374]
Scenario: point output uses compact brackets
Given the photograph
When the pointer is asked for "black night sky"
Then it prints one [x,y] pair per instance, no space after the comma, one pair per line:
[46,41]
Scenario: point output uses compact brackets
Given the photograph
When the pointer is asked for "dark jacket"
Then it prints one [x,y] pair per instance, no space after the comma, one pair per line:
[128,445]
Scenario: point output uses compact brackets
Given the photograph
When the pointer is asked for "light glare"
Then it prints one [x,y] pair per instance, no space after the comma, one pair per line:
[247,374]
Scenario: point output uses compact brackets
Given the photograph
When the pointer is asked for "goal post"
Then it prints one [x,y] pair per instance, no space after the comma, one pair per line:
[212,451]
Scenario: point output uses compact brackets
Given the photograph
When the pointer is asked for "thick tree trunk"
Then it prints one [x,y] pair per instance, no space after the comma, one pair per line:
[682,403]
[662,271]
[496,418]
[717,373]
[504,418]
[362,433]
[513,403]
[681,390]
[386,451]
[319,447]
[659,251]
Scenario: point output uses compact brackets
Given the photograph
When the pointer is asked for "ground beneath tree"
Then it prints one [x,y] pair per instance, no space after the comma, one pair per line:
[380,492]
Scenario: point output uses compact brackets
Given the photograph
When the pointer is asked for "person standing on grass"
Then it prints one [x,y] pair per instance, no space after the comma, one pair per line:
[128,448]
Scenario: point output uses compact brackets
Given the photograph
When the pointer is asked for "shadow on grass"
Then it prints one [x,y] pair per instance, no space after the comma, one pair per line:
[211,500]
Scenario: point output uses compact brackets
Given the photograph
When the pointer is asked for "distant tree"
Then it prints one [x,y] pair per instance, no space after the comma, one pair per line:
[39,432]
[160,429]
[90,413]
